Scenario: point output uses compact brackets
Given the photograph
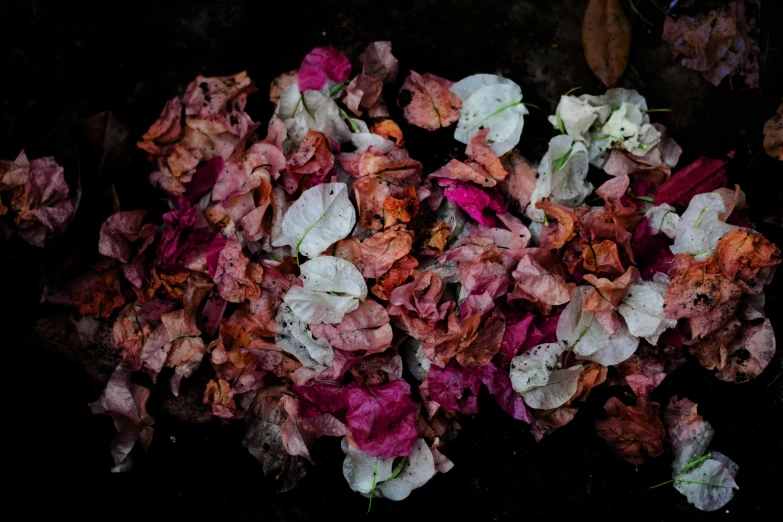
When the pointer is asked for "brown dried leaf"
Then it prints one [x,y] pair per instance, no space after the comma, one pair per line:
[606,38]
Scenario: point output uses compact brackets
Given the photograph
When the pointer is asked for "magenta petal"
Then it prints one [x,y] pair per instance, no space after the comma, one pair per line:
[204,179]
[498,383]
[177,221]
[316,399]
[543,330]
[455,388]
[703,175]
[382,419]
[517,326]
[651,250]
[480,204]
[213,253]
[213,312]
[321,65]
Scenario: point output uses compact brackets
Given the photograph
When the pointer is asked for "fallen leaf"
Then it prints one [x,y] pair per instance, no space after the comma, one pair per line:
[633,432]
[749,353]
[426,101]
[606,38]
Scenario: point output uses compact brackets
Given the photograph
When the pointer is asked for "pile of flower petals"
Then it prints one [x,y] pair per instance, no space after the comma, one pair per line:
[337,289]
[35,195]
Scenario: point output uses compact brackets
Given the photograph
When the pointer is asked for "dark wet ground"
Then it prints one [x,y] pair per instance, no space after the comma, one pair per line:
[62,63]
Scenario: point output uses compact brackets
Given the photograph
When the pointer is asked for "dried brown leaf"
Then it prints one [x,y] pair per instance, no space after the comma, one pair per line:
[606,38]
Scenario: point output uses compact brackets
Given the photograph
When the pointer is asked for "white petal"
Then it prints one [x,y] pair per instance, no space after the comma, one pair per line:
[495,106]
[560,387]
[699,230]
[359,468]
[693,484]
[332,288]
[364,140]
[642,309]
[587,338]
[575,116]
[333,274]
[294,337]
[322,215]
[531,369]
[616,349]
[562,176]
[467,86]
[418,469]
[311,110]
[318,307]
[415,360]
[662,219]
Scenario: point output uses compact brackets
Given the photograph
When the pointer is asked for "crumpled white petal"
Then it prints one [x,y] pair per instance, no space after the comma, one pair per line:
[574,117]
[560,387]
[662,219]
[311,110]
[415,359]
[365,139]
[642,308]
[535,375]
[710,485]
[418,469]
[490,101]
[588,339]
[532,368]
[562,176]
[332,288]
[321,216]
[293,336]
[618,118]
[627,126]
[359,469]
[699,229]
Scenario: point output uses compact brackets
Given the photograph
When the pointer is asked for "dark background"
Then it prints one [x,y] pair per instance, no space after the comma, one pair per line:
[64,61]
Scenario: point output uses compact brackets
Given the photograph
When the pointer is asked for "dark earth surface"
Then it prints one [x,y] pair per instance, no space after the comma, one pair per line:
[62,63]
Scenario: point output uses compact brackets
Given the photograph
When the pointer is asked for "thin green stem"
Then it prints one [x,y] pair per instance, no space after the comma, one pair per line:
[510,105]
[698,219]
[582,334]
[572,90]
[702,483]
[336,88]
[658,110]
[354,127]
[372,489]
[559,162]
[398,468]
[301,97]
[661,484]
[692,464]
